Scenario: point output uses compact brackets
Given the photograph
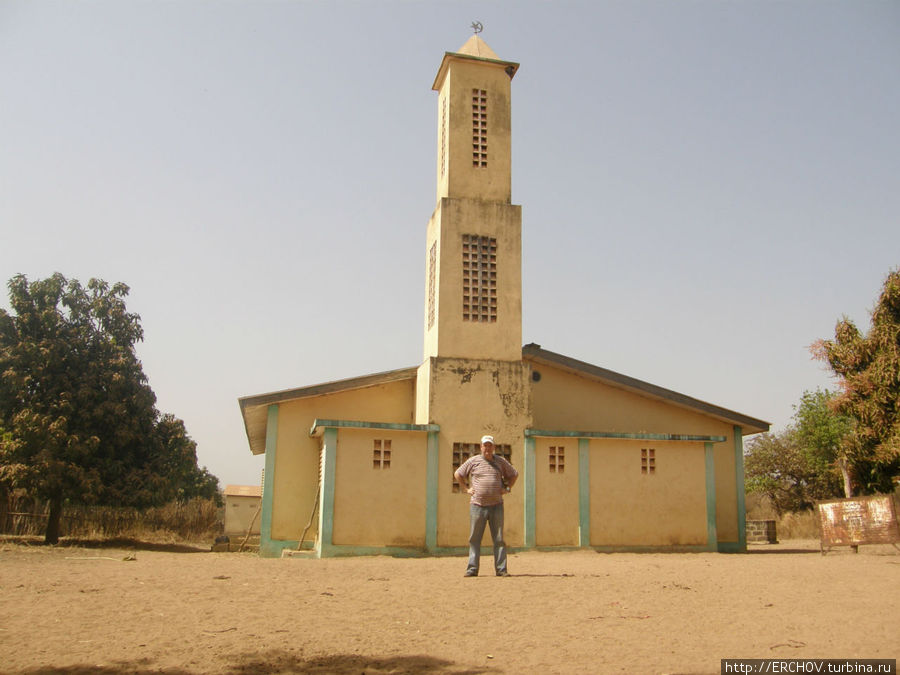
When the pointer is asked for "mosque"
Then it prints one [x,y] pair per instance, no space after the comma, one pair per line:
[606,462]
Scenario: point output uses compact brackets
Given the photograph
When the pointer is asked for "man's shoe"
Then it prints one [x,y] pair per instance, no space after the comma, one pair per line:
[470,573]
[504,573]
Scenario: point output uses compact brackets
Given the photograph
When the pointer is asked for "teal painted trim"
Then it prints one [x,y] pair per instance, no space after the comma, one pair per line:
[354,424]
[584,492]
[739,487]
[431,491]
[326,497]
[395,551]
[456,551]
[711,536]
[530,492]
[532,433]
[651,549]
[267,547]
[341,550]
[276,546]
[731,547]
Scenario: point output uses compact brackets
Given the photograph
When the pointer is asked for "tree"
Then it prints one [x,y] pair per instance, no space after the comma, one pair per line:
[187,481]
[79,417]
[869,370]
[821,432]
[796,467]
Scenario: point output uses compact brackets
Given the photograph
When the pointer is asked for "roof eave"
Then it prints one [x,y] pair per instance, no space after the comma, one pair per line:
[749,425]
[254,409]
[509,66]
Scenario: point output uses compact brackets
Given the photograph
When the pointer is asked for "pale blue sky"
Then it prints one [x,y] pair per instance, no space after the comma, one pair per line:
[706,186]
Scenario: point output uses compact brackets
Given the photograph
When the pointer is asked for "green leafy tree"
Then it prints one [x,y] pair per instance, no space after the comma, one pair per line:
[79,415]
[869,370]
[187,480]
[796,467]
[820,432]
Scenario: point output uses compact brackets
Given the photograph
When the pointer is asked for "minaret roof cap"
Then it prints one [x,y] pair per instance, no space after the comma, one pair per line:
[474,49]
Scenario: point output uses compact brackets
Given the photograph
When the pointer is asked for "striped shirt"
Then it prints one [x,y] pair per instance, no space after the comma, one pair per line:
[485,479]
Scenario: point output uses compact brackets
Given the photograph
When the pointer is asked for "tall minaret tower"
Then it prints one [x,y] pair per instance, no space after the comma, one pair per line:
[473,380]
[474,265]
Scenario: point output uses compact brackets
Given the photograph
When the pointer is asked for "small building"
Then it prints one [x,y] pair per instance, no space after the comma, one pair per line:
[242,509]
[605,461]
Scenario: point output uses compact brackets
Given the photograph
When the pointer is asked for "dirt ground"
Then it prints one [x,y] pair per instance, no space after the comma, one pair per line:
[88,610]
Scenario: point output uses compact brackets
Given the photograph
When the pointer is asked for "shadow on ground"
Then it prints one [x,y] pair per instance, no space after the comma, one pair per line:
[116,542]
[280,662]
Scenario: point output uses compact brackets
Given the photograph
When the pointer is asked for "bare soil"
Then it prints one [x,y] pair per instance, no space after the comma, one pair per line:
[91,610]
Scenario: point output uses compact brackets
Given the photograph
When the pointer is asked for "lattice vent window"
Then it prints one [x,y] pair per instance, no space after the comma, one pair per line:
[479,128]
[432,281]
[444,136]
[648,460]
[381,454]
[557,459]
[479,278]
[504,450]
[462,452]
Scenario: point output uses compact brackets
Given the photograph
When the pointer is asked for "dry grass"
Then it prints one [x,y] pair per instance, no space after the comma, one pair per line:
[176,522]
[799,525]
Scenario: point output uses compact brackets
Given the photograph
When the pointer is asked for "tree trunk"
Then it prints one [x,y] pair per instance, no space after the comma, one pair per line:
[51,536]
[4,508]
[844,466]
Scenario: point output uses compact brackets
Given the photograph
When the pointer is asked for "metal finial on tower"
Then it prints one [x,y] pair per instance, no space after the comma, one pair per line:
[477,27]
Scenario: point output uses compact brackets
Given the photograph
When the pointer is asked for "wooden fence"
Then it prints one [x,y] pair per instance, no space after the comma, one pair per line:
[195,519]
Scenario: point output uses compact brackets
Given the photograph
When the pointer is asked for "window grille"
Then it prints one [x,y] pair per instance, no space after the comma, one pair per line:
[479,128]
[648,460]
[381,454]
[479,278]
[557,459]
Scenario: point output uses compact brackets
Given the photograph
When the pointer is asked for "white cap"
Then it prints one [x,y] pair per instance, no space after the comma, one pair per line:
[487,439]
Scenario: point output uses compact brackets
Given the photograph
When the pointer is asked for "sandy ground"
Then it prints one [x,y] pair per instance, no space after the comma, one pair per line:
[86,610]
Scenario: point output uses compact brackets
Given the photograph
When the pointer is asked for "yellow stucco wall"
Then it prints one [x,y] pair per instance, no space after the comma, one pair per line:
[470,398]
[564,400]
[460,178]
[630,508]
[453,508]
[556,493]
[297,454]
[379,505]
[450,335]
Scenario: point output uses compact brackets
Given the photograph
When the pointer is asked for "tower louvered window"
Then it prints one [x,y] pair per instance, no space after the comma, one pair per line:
[479,278]
[479,128]
[443,136]
[432,281]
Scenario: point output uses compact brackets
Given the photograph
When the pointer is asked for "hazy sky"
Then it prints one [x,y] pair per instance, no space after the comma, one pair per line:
[706,186]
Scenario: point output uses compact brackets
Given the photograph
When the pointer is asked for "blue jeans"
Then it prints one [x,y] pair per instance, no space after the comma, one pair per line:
[478,517]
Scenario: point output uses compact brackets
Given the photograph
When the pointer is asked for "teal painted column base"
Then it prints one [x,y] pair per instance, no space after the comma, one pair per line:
[268,547]
[731,547]
[584,492]
[739,485]
[272,548]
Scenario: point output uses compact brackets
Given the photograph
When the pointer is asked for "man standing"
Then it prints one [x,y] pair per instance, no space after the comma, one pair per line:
[489,477]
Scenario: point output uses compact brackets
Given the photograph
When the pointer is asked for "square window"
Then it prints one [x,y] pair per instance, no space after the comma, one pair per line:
[648,461]
[557,456]
[381,454]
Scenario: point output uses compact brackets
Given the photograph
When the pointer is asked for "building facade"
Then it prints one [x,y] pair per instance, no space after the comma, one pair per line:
[606,461]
